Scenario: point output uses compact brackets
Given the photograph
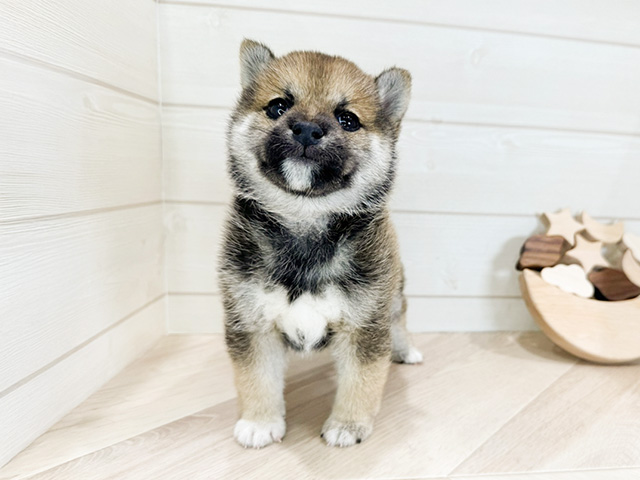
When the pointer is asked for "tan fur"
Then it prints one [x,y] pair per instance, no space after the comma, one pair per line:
[304,74]
[359,394]
[351,300]
[260,379]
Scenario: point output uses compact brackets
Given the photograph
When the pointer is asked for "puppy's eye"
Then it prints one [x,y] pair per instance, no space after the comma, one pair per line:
[277,107]
[348,121]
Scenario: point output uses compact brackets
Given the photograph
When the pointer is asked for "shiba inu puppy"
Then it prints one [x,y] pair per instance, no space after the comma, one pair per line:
[310,258]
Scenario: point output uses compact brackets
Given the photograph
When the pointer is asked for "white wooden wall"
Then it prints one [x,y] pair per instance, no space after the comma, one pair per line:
[519,106]
[81,239]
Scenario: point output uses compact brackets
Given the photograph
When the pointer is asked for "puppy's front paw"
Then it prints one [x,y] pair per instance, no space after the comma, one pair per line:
[258,434]
[345,434]
[411,356]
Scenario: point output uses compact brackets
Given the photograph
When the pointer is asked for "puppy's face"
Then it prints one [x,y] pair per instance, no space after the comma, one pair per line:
[315,128]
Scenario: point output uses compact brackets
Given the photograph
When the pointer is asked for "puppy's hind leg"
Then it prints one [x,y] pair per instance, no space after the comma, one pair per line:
[402,350]
[259,361]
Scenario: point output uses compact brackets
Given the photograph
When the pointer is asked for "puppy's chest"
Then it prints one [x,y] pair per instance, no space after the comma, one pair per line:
[305,263]
[303,293]
[306,323]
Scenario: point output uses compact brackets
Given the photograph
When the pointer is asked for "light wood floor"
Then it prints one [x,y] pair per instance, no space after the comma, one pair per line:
[507,404]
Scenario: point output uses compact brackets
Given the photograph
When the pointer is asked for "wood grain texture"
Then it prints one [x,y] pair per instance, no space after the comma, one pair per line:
[68,145]
[442,168]
[81,241]
[202,313]
[587,420]
[607,21]
[31,409]
[459,75]
[614,284]
[604,332]
[173,373]
[433,416]
[112,42]
[540,251]
[66,279]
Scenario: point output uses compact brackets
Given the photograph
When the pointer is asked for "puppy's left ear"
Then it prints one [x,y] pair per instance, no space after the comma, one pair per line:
[394,90]
[254,57]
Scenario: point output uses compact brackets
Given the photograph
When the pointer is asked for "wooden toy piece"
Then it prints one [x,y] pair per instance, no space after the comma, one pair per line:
[632,242]
[631,268]
[602,232]
[603,332]
[613,284]
[569,278]
[612,252]
[541,251]
[588,254]
[562,223]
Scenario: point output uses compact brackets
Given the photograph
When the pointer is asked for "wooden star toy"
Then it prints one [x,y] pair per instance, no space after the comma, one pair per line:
[562,223]
[602,232]
[588,254]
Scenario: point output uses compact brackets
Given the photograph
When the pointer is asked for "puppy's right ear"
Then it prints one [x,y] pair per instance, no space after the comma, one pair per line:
[254,57]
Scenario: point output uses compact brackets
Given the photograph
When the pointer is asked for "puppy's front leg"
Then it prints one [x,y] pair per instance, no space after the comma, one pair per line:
[363,358]
[259,363]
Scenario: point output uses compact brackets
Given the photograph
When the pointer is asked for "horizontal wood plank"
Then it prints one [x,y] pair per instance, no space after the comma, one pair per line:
[444,255]
[31,409]
[113,42]
[65,280]
[192,246]
[606,21]
[194,151]
[195,314]
[68,145]
[443,168]
[459,75]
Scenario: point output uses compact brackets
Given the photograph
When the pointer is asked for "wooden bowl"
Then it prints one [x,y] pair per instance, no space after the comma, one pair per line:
[602,332]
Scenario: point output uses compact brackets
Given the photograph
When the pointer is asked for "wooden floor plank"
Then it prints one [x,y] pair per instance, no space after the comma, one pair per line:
[433,416]
[615,474]
[589,419]
[180,376]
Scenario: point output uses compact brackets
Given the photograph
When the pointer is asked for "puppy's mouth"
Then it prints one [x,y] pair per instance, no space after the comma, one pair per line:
[313,170]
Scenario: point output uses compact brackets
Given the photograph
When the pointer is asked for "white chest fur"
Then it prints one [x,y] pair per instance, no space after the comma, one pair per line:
[305,320]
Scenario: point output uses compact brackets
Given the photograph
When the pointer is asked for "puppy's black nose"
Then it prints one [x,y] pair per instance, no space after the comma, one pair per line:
[307,133]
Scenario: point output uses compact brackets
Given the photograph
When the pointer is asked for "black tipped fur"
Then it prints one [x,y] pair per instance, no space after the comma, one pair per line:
[258,243]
